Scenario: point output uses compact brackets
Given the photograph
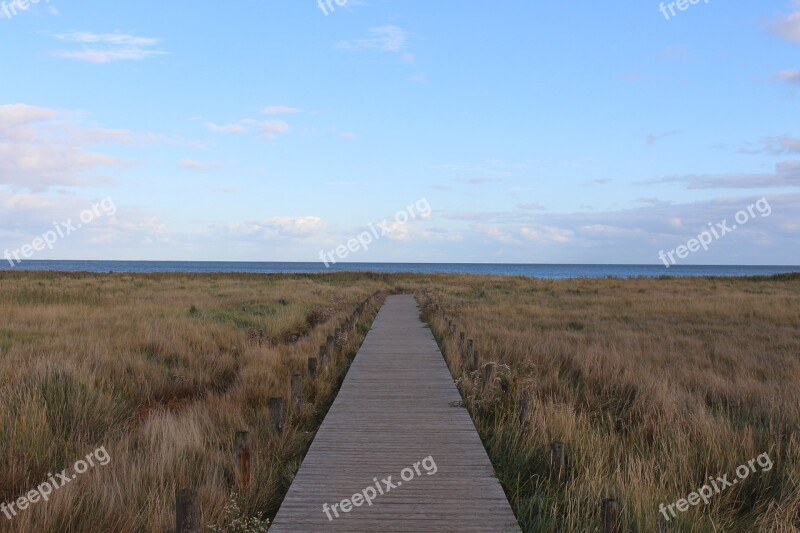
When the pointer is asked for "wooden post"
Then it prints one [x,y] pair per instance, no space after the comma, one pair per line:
[489,372]
[475,361]
[242,458]
[611,516]
[461,336]
[558,459]
[187,511]
[297,391]
[470,348]
[276,416]
[522,408]
[312,368]
[330,344]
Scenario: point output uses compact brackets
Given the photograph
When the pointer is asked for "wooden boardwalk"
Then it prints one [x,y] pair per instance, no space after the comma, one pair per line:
[394,410]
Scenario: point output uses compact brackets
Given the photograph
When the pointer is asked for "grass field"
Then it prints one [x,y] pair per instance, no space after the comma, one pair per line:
[652,384]
[162,371]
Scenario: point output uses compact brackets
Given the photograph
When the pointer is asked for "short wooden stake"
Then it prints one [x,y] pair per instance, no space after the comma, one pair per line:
[461,337]
[475,361]
[187,511]
[330,344]
[470,349]
[312,368]
[276,416]
[558,459]
[242,458]
[611,516]
[297,391]
[489,372]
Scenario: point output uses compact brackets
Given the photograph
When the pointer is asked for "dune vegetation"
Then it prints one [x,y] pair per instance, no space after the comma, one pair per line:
[653,385]
[162,371]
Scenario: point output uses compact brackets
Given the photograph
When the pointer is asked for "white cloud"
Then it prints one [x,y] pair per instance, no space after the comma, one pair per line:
[24,216]
[787,174]
[225,128]
[347,135]
[790,76]
[289,227]
[498,234]
[267,129]
[774,145]
[190,164]
[788,26]
[384,38]
[295,226]
[636,235]
[270,129]
[102,48]
[13,115]
[544,234]
[606,230]
[40,148]
[414,231]
[532,206]
[117,39]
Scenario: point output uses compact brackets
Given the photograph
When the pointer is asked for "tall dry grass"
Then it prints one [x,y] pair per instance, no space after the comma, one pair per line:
[162,370]
[653,385]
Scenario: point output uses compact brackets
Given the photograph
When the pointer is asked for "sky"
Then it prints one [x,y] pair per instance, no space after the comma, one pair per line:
[446,131]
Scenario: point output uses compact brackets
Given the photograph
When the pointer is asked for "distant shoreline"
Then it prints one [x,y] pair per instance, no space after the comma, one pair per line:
[542,271]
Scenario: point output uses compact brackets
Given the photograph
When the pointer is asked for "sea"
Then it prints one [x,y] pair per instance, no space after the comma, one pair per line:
[548,271]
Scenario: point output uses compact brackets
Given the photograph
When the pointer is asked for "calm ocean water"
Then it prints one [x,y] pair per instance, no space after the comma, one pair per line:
[534,271]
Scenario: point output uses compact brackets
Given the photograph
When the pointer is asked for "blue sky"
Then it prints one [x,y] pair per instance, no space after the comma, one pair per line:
[536,132]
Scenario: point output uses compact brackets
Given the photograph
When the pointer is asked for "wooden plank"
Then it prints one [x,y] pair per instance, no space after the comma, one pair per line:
[398,405]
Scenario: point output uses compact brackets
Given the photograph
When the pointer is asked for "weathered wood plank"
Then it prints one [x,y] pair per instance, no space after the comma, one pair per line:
[398,405]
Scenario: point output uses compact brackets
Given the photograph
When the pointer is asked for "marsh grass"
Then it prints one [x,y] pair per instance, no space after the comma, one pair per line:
[652,384]
[162,370]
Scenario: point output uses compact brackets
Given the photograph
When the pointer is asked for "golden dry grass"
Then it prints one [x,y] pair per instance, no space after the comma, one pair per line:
[653,384]
[161,370]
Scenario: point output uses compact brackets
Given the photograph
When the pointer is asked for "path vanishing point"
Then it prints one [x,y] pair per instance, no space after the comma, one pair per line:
[397,410]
